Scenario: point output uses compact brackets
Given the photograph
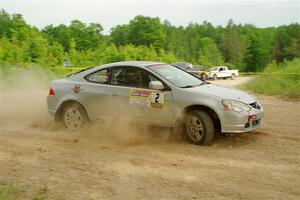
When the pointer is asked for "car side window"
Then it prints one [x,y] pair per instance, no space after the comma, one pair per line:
[127,76]
[147,77]
[100,76]
[131,77]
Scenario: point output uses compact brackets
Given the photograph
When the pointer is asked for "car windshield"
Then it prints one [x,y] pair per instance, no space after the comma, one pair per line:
[176,76]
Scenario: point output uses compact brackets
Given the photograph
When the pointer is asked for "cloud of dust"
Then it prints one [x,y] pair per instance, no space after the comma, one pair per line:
[23,95]
[125,131]
[23,109]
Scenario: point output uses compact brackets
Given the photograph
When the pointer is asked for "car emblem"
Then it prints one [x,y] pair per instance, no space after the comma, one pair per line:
[76,88]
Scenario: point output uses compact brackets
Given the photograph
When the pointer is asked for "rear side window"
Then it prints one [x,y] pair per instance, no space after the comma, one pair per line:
[100,76]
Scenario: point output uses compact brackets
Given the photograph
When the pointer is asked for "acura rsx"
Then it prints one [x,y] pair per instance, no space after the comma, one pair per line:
[156,94]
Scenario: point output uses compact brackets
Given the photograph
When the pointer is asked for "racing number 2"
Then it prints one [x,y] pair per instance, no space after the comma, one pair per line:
[156,98]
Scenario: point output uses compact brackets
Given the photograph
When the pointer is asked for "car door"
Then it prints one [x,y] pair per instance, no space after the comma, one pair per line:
[136,101]
[96,93]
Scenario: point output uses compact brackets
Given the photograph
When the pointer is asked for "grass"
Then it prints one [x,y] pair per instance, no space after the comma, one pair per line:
[11,192]
[279,80]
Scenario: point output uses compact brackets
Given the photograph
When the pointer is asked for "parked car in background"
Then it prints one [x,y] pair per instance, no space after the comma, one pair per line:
[222,72]
[183,65]
[198,71]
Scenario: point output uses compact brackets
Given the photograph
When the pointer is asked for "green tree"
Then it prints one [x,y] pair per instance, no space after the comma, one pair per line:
[209,54]
[8,51]
[146,38]
[257,54]
[60,34]
[146,31]
[111,54]
[119,35]
[234,46]
[56,55]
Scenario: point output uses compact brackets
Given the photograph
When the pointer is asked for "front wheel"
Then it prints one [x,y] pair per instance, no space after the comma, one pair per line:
[199,127]
[74,116]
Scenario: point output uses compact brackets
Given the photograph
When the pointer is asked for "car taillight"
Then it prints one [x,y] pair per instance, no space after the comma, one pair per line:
[51,91]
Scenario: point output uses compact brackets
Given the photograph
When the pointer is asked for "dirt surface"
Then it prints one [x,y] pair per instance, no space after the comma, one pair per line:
[121,162]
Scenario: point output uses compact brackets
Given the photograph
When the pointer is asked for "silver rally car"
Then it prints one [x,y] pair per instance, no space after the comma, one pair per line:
[156,94]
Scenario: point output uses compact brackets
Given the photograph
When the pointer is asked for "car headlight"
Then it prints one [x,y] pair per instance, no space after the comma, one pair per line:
[234,105]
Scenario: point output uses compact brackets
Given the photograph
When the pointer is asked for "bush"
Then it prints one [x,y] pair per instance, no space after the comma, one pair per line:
[281,79]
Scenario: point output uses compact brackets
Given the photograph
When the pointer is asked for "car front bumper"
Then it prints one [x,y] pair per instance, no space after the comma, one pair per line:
[237,122]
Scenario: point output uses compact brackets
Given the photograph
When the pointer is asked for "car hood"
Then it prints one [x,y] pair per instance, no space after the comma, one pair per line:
[224,93]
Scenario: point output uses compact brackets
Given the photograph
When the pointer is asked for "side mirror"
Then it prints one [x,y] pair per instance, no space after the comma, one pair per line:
[156,85]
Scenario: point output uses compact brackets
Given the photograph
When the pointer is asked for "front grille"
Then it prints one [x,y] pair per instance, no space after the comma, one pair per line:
[255,105]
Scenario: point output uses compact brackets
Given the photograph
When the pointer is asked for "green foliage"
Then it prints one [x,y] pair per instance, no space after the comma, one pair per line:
[167,57]
[209,54]
[141,30]
[283,79]
[85,36]
[146,31]
[287,42]
[234,44]
[259,51]
[119,35]
[111,54]
[130,52]
[245,47]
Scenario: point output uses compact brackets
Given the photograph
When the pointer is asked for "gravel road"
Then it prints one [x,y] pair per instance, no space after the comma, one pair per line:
[116,161]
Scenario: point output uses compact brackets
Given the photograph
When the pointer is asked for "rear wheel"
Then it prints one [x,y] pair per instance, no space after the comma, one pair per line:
[232,76]
[203,77]
[199,127]
[74,116]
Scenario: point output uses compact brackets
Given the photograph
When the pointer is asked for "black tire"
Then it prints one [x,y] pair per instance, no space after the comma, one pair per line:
[232,76]
[203,77]
[77,121]
[215,77]
[207,128]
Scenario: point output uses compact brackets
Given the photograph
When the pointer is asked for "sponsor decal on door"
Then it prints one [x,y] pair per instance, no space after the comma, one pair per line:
[138,97]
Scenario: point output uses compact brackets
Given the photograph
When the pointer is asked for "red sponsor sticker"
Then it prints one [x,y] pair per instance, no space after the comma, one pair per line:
[140,93]
[76,88]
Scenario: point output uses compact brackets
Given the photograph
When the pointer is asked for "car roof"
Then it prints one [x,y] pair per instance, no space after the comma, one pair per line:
[141,64]
[132,63]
